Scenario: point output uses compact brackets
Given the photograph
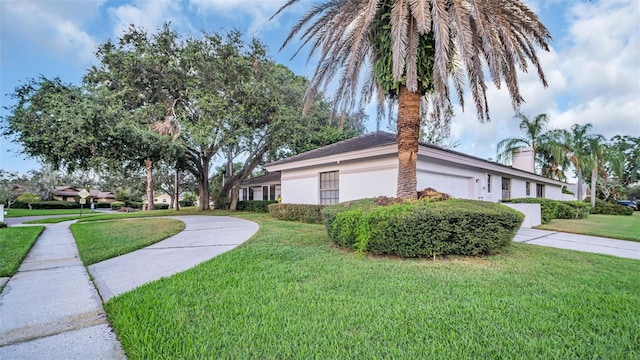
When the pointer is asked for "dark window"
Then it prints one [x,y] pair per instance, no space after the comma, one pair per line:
[329,188]
[506,188]
[244,194]
[539,190]
[250,193]
[265,193]
[488,183]
[272,192]
[528,188]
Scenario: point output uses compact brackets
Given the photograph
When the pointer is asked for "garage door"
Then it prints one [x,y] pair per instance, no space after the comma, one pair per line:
[453,185]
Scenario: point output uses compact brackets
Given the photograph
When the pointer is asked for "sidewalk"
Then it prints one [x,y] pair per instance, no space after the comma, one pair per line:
[592,244]
[50,309]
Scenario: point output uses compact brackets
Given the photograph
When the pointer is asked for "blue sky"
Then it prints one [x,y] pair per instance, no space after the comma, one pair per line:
[593,67]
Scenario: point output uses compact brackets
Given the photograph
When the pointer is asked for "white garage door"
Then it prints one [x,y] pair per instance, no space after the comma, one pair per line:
[455,186]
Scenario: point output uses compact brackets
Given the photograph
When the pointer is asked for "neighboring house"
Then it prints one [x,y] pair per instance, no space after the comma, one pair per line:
[367,166]
[265,187]
[69,193]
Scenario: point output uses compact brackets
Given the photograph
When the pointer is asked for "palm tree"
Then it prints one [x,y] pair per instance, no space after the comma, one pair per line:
[573,146]
[406,49]
[534,131]
[603,158]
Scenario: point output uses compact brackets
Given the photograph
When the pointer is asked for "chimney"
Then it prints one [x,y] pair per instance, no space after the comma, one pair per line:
[523,159]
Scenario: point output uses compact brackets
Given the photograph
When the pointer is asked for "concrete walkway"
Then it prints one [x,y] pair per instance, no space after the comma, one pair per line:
[592,244]
[50,309]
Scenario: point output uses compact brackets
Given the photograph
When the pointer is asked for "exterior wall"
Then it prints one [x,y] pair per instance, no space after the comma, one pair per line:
[553,192]
[458,182]
[532,214]
[357,180]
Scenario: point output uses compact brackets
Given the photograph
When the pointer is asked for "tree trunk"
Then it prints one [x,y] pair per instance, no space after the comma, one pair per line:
[176,191]
[579,184]
[408,134]
[594,180]
[203,187]
[233,196]
[149,166]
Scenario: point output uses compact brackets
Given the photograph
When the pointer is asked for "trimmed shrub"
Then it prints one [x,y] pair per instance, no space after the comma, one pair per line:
[556,209]
[54,205]
[3,225]
[260,206]
[422,228]
[607,208]
[134,204]
[297,212]
[117,205]
[161,206]
[186,202]
[103,205]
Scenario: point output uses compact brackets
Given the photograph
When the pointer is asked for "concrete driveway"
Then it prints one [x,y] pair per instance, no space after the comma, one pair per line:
[592,244]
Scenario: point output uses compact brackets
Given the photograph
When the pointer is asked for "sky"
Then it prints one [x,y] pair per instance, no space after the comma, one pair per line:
[593,66]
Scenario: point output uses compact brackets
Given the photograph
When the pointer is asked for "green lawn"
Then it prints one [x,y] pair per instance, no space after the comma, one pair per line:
[15,243]
[289,294]
[44,212]
[610,226]
[99,241]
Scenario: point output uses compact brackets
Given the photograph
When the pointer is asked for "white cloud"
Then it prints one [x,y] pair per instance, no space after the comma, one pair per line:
[53,27]
[148,15]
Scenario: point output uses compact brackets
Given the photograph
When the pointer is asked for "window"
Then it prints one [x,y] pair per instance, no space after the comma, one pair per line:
[528,188]
[539,190]
[329,188]
[506,188]
[250,193]
[488,183]
[244,194]
[164,200]
[265,193]
[272,192]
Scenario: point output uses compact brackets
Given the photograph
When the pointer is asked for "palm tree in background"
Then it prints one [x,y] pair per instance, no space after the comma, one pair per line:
[534,130]
[403,50]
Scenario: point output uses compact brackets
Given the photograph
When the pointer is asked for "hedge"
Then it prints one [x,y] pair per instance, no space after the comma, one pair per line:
[103,205]
[422,228]
[297,212]
[556,209]
[186,202]
[161,206]
[56,204]
[607,208]
[260,206]
[117,205]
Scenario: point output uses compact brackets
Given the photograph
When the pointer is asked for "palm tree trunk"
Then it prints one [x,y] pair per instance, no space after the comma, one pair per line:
[594,180]
[149,166]
[579,184]
[176,190]
[408,134]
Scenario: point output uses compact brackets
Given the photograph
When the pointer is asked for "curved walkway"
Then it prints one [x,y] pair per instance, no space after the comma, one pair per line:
[50,309]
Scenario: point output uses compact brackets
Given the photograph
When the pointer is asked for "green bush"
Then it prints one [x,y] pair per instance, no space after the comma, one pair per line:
[556,209]
[260,206]
[103,205]
[186,202]
[297,212]
[422,228]
[161,206]
[133,204]
[55,205]
[3,225]
[117,205]
[607,208]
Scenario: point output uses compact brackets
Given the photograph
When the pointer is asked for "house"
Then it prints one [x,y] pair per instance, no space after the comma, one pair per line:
[367,166]
[265,187]
[69,193]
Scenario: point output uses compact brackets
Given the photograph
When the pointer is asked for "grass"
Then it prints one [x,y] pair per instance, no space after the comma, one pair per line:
[56,220]
[103,240]
[15,243]
[611,226]
[43,212]
[289,294]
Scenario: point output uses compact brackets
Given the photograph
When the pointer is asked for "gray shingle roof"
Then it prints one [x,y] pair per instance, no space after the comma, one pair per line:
[366,141]
[266,178]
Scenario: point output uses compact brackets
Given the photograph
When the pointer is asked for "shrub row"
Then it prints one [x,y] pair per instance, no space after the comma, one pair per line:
[47,205]
[186,202]
[422,228]
[117,205]
[161,206]
[103,205]
[260,206]
[556,209]
[297,212]
[607,208]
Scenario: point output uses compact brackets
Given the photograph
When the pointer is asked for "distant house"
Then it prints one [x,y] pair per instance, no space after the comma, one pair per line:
[265,187]
[69,193]
[367,166]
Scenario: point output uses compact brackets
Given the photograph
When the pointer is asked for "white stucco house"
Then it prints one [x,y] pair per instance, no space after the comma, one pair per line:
[367,166]
[265,187]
